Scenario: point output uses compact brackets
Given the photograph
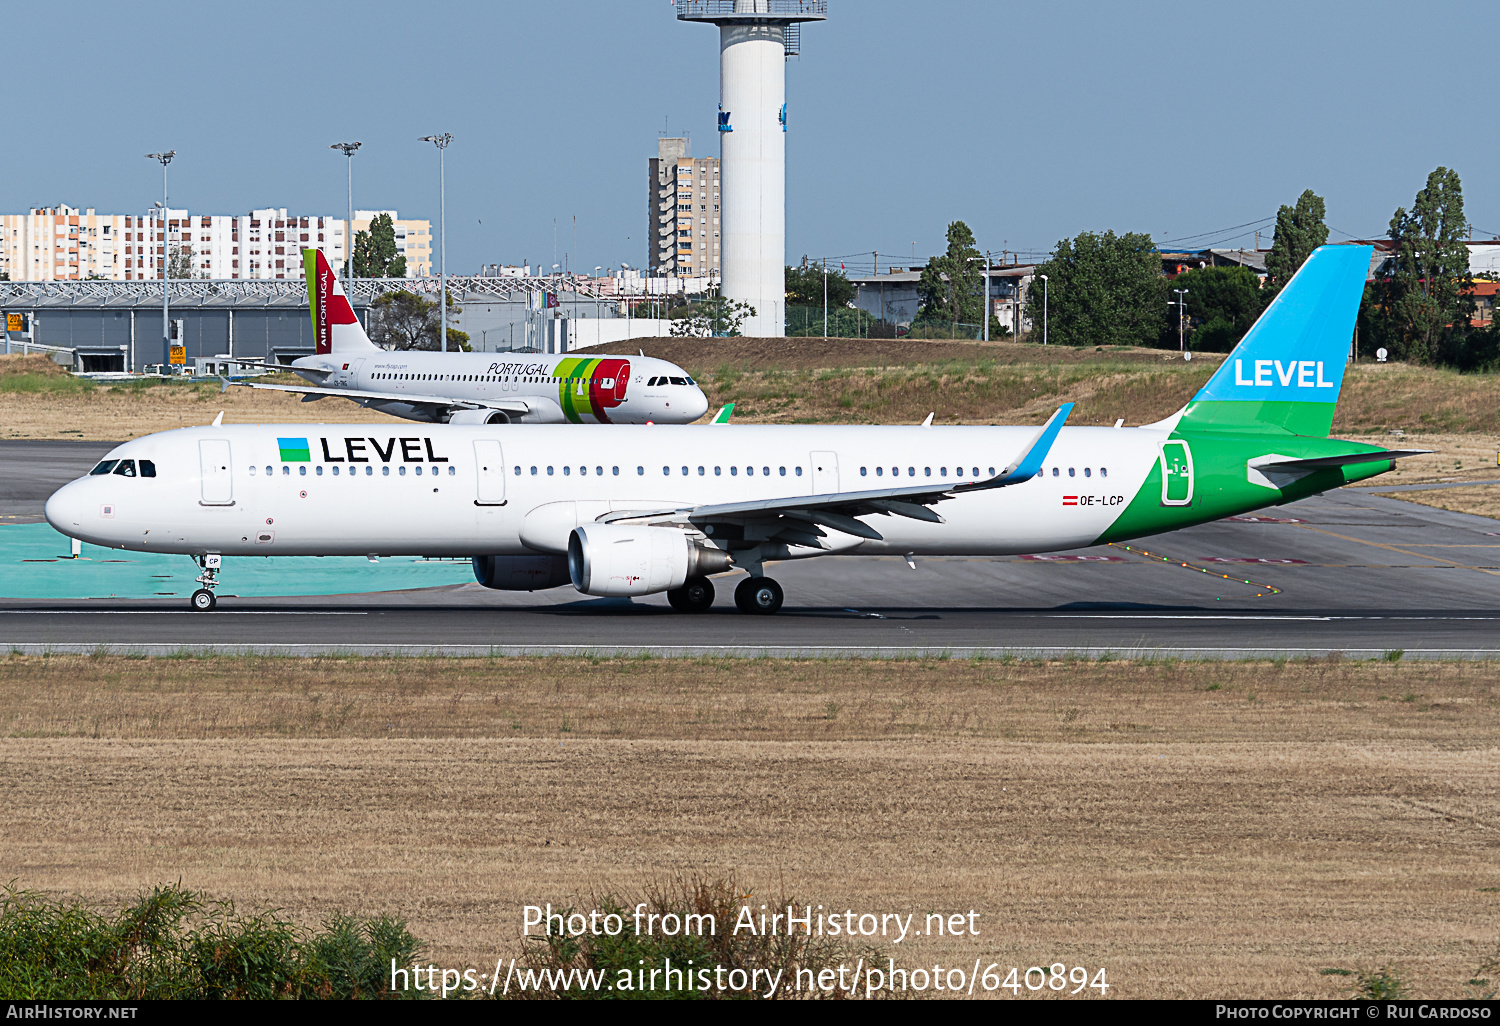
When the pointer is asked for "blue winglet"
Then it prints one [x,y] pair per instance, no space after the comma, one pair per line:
[1029,464]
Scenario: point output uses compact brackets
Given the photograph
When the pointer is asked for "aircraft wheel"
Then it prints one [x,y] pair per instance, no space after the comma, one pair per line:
[758,595]
[203,600]
[695,595]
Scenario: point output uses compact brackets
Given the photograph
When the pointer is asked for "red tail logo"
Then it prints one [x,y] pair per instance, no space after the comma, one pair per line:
[332,307]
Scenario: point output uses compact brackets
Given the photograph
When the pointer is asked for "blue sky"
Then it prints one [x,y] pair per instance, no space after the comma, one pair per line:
[1029,121]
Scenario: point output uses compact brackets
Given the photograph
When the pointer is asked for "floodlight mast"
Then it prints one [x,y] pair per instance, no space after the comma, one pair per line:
[348,149]
[166,323]
[755,39]
[441,142]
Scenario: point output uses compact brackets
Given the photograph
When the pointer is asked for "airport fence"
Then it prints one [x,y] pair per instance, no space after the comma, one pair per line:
[808,322]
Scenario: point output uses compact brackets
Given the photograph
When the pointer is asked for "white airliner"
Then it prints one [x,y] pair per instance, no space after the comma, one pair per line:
[634,510]
[480,388]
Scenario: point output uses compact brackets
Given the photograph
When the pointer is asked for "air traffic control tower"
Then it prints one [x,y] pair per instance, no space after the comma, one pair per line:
[755,39]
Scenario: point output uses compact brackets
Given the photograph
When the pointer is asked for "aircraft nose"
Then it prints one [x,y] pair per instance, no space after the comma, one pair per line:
[698,404]
[64,510]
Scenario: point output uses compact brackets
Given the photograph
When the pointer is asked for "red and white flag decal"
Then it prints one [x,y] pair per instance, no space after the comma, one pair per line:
[1070,500]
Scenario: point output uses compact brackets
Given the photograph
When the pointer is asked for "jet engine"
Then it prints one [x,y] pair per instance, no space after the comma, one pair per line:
[616,560]
[521,573]
[479,417]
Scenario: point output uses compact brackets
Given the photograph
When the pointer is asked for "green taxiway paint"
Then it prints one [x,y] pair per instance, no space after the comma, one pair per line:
[36,565]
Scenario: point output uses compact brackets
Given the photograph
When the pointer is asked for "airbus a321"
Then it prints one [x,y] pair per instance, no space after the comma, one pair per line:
[636,510]
[479,388]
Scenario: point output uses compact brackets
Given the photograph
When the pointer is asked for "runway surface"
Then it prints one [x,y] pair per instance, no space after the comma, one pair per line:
[1346,572]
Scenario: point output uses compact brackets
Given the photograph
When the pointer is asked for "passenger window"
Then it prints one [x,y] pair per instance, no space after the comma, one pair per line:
[1087,472]
[600,471]
[369,471]
[942,472]
[783,472]
[533,472]
[799,471]
[927,471]
[976,471]
[302,470]
[640,471]
[615,471]
[879,471]
[286,471]
[1072,472]
[335,470]
[419,470]
[863,472]
[581,470]
[700,471]
[320,470]
[718,472]
[252,471]
[126,468]
[401,471]
[684,471]
[269,471]
[1103,471]
[734,471]
[104,468]
[765,471]
[549,471]
[453,471]
[518,471]
[911,471]
[385,471]
[1055,472]
[566,471]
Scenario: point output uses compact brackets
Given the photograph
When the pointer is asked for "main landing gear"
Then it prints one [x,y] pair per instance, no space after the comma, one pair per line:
[203,599]
[758,595]
[695,595]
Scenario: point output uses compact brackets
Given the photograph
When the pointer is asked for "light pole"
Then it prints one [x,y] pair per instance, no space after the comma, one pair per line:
[1181,346]
[348,150]
[1044,308]
[166,325]
[441,142]
[825,297]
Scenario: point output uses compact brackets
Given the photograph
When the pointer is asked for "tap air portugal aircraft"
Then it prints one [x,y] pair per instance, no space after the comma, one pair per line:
[479,388]
[627,511]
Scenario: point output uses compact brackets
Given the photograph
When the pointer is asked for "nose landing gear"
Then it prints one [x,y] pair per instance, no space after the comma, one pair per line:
[203,599]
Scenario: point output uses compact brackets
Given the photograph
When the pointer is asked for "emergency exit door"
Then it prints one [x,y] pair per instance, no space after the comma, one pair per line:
[213,462]
[1176,474]
[490,463]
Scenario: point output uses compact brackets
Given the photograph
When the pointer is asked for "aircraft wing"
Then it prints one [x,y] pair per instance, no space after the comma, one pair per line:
[310,393]
[838,510]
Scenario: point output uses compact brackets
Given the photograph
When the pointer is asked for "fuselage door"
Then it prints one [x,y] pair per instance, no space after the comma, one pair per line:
[213,461]
[490,463]
[1176,474]
[825,473]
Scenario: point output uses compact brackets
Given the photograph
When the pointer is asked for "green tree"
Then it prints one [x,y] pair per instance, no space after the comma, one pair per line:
[1299,231]
[804,287]
[717,317]
[1422,295]
[404,320]
[951,284]
[375,253]
[1103,290]
[180,263]
[1222,303]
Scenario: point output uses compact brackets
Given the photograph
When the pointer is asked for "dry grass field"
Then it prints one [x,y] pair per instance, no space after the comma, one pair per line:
[1199,829]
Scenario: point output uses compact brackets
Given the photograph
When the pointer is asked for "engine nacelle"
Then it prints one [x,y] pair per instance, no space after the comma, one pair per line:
[615,560]
[479,417]
[521,573]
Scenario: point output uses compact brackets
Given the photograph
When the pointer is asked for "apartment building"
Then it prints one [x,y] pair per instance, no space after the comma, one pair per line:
[682,212]
[67,244]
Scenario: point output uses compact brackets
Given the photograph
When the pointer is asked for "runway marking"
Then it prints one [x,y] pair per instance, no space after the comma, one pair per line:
[1394,548]
[179,612]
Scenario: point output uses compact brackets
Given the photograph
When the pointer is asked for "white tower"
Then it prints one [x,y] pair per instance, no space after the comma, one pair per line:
[755,39]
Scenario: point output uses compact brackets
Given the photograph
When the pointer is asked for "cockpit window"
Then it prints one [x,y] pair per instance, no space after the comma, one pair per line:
[126,468]
[148,469]
[678,381]
[104,468]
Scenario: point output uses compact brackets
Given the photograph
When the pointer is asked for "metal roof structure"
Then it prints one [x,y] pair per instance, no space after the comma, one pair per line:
[282,292]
